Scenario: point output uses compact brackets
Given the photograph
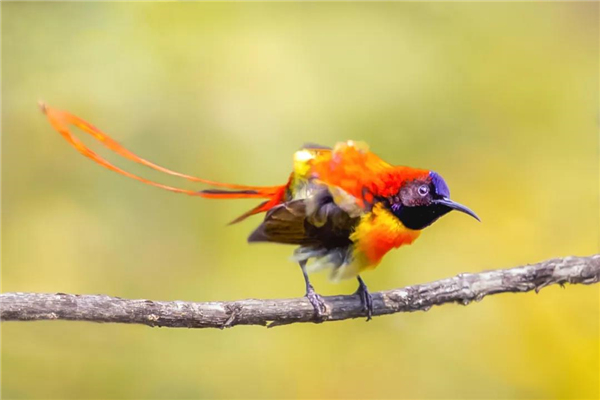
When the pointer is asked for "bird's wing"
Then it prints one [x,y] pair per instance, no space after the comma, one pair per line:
[316,220]
[283,224]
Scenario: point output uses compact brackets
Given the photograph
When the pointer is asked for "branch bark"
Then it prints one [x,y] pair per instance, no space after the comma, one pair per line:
[462,289]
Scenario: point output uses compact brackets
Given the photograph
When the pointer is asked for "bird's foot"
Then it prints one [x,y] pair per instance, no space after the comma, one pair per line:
[317,302]
[366,300]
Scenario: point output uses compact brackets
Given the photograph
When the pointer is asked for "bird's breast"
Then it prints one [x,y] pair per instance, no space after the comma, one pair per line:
[378,232]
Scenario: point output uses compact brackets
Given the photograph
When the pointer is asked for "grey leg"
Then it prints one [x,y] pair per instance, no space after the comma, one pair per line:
[315,299]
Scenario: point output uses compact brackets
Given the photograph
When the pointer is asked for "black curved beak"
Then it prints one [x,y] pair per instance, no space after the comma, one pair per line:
[456,206]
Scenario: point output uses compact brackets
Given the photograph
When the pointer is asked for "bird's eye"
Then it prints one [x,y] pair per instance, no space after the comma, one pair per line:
[423,190]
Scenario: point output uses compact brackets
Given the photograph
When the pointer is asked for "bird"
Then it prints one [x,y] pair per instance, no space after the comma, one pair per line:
[343,207]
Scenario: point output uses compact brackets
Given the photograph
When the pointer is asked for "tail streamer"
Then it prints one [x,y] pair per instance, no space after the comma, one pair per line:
[62,120]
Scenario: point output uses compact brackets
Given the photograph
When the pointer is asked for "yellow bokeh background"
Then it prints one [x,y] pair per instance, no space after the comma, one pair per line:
[499,98]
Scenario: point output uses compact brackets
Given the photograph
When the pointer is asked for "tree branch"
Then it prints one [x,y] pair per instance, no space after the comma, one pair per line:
[462,289]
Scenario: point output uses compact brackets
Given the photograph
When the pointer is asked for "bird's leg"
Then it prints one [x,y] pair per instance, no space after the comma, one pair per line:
[365,298]
[315,299]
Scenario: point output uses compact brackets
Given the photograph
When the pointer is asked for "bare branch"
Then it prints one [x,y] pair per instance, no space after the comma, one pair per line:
[462,289]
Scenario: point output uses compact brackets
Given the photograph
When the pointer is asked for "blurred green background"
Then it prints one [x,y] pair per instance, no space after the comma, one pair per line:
[500,98]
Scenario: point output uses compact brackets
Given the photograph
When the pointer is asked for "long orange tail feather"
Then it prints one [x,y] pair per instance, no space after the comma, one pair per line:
[61,120]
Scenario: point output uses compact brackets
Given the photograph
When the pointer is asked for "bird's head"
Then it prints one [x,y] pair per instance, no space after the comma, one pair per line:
[421,201]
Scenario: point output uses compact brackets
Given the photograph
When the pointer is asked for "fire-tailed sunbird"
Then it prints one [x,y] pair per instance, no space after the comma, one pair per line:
[344,207]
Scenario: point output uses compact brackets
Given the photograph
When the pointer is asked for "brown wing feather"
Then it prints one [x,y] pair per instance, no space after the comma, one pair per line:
[283,224]
[313,221]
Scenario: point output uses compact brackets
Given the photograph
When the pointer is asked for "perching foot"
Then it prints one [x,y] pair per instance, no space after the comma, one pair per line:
[365,298]
[317,302]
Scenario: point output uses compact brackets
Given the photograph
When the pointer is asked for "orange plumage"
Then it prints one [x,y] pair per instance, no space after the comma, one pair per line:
[344,208]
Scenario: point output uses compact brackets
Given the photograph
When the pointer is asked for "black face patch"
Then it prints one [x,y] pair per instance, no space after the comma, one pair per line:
[414,204]
[421,216]
[418,203]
